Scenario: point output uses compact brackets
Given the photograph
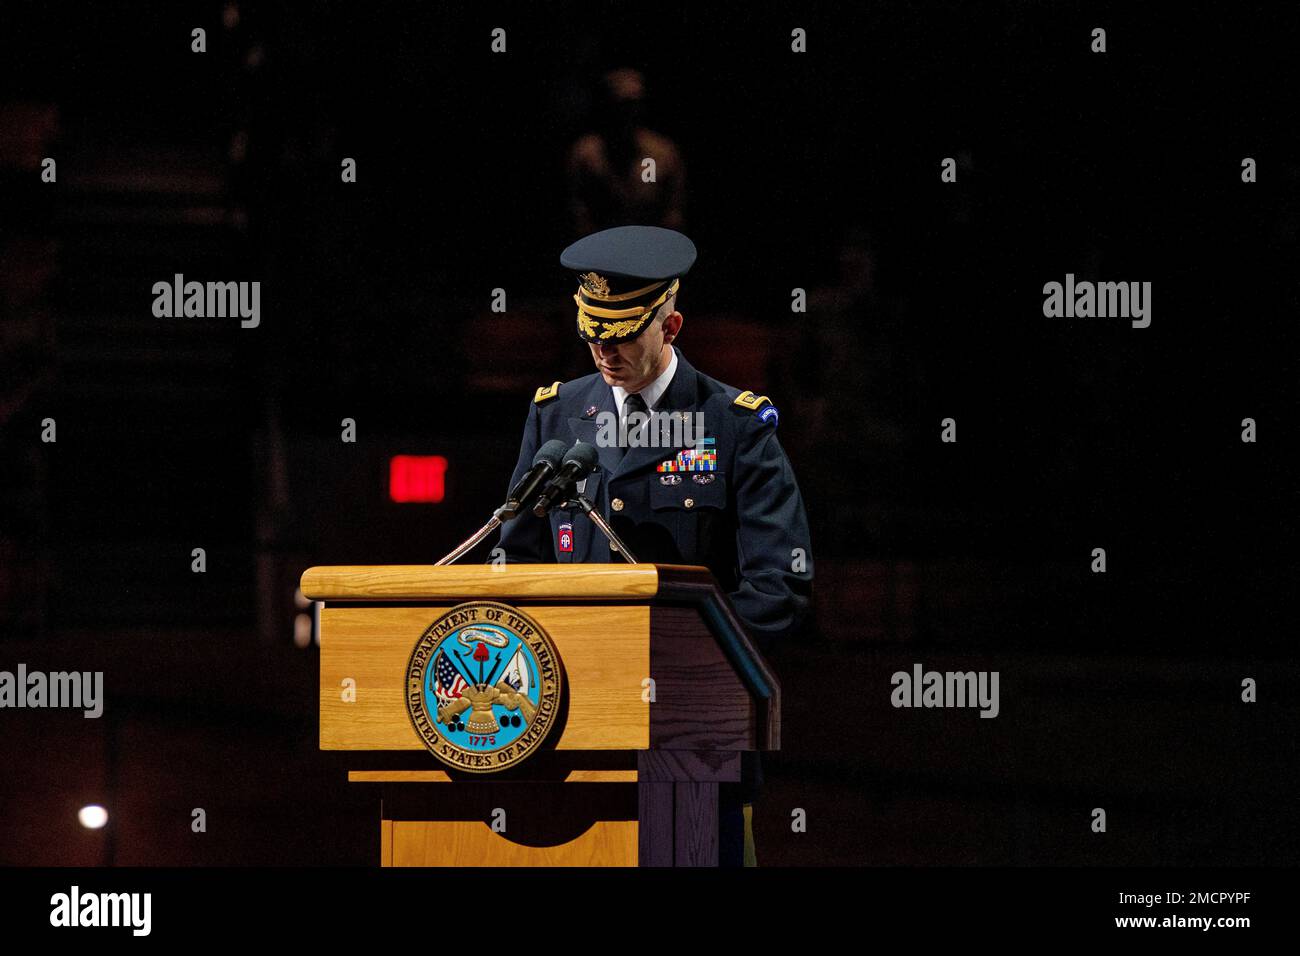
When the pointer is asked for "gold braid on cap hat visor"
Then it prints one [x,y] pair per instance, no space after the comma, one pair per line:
[628,321]
[596,287]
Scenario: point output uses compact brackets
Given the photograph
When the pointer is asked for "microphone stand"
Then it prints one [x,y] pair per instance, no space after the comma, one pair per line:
[472,540]
[495,522]
[599,521]
[510,509]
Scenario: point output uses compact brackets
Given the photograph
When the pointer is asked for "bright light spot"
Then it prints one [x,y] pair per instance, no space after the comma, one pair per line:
[92,817]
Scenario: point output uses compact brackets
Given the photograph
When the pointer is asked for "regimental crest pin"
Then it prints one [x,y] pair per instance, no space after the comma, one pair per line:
[483,686]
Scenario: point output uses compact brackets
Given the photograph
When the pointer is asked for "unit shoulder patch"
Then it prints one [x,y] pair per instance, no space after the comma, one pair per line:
[750,401]
[547,392]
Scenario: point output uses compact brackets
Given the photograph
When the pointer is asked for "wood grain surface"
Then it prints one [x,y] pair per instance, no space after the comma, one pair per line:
[507,582]
[473,843]
[605,650]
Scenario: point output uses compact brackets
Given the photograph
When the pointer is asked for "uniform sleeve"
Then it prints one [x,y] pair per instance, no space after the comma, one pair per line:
[527,539]
[772,542]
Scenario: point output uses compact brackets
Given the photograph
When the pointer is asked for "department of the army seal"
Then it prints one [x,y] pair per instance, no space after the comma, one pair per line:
[483,686]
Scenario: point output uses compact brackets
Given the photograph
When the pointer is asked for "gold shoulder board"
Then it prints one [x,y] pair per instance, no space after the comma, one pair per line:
[751,401]
[547,392]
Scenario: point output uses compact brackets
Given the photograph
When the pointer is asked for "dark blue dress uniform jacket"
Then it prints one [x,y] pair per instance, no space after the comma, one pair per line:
[747,525]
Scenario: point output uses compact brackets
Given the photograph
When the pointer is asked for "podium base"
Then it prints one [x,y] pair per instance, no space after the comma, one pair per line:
[473,843]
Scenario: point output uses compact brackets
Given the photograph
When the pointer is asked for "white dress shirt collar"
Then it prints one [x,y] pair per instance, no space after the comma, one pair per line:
[652,392]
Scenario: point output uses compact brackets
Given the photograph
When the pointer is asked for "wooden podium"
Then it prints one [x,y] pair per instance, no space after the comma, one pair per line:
[620,780]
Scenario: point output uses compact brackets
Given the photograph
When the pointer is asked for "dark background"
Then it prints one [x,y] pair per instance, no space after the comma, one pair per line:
[818,171]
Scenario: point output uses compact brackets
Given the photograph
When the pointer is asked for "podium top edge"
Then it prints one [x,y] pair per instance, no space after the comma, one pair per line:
[416,582]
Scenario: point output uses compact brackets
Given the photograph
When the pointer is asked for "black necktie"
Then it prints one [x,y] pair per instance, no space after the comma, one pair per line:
[633,403]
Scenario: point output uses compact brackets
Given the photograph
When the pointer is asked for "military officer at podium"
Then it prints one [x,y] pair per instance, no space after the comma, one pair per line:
[691,470]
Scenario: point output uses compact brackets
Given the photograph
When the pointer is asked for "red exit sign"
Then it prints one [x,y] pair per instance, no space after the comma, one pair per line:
[416,478]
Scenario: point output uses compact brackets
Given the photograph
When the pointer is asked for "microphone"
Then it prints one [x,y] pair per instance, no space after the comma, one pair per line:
[579,461]
[545,463]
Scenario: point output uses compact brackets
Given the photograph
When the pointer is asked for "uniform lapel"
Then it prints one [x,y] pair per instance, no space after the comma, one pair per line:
[680,397]
[584,428]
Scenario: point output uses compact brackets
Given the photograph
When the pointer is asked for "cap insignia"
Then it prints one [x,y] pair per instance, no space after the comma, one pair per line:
[595,284]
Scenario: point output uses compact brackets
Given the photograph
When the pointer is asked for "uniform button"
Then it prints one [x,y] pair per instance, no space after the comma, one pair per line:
[689,502]
[613,546]
[617,504]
